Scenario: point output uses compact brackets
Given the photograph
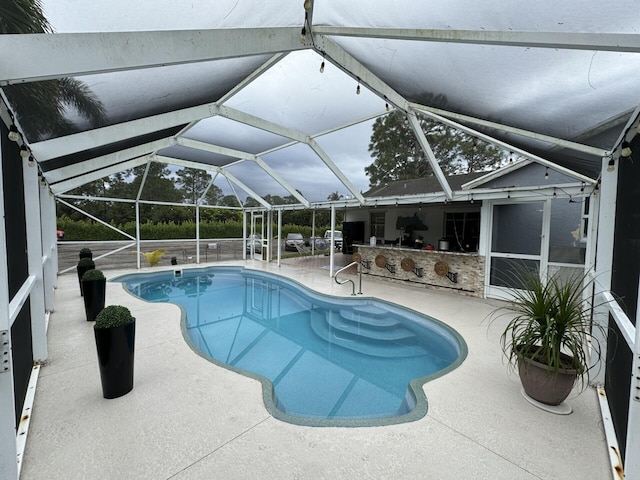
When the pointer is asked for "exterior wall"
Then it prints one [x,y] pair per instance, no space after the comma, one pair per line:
[468,266]
[431,215]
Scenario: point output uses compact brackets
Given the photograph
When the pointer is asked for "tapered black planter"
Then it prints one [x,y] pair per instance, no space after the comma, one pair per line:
[94,296]
[115,347]
[82,267]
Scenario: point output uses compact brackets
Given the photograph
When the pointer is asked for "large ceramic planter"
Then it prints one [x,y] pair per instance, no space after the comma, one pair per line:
[94,297]
[115,348]
[546,387]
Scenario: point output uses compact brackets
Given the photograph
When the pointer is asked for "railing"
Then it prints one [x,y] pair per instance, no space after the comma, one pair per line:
[353,284]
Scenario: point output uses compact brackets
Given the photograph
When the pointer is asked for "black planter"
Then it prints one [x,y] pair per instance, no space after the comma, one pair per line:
[94,294]
[115,348]
[81,272]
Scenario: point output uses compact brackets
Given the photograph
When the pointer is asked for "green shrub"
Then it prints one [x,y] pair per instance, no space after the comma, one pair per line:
[113,316]
[92,275]
[85,253]
[86,262]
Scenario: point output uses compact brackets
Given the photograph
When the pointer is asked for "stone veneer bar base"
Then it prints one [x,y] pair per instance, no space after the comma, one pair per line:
[469,268]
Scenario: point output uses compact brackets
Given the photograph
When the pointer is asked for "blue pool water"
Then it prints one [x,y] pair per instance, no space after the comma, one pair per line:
[327,359]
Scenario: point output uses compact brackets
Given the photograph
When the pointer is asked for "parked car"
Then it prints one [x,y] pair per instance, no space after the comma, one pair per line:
[292,240]
[337,238]
[254,242]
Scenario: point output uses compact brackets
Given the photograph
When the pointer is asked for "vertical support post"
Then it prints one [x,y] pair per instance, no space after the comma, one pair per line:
[269,235]
[198,234]
[34,259]
[631,458]
[279,235]
[244,235]
[313,231]
[49,245]
[8,444]
[138,251]
[604,259]
[333,223]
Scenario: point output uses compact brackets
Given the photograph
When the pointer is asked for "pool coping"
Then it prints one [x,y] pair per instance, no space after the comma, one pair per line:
[421,404]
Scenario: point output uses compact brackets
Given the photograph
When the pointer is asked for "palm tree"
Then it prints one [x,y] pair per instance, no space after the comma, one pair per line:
[41,106]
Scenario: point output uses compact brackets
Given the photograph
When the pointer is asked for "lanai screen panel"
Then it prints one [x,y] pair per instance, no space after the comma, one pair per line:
[294,94]
[124,15]
[238,136]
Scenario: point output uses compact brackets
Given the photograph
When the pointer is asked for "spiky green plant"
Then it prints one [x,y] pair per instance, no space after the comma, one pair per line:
[113,316]
[551,323]
[153,257]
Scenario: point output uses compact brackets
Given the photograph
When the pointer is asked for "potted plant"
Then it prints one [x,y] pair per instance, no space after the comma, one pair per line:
[548,337]
[115,331]
[84,264]
[94,286]
[85,253]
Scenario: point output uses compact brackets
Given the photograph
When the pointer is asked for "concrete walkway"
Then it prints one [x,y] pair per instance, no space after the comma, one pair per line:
[189,419]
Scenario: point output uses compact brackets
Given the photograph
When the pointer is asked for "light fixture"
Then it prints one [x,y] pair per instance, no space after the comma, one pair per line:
[303,32]
[43,182]
[24,151]
[554,193]
[510,157]
[472,200]
[322,66]
[546,174]
[508,194]
[31,161]
[582,188]
[13,133]
[307,4]
[358,88]
[612,165]
[626,149]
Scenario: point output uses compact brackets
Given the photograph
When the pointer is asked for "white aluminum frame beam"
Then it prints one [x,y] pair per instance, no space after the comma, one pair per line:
[97,164]
[500,143]
[609,42]
[70,184]
[213,168]
[229,152]
[426,148]
[578,147]
[75,54]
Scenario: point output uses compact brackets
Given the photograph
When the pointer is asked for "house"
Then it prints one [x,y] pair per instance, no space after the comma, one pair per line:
[523,214]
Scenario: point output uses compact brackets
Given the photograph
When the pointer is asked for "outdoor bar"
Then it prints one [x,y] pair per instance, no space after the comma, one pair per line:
[461,272]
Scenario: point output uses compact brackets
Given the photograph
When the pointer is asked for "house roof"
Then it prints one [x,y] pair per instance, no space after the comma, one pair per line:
[420,186]
[235,88]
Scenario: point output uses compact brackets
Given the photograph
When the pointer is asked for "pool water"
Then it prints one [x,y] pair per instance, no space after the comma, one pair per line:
[327,358]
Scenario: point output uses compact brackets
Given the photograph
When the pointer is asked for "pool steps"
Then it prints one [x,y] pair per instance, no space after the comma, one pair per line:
[380,337]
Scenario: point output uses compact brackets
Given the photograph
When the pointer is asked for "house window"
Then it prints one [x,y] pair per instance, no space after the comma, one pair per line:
[584,223]
[462,229]
[377,225]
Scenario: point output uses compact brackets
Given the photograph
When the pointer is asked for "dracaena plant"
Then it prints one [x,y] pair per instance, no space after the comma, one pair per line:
[551,323]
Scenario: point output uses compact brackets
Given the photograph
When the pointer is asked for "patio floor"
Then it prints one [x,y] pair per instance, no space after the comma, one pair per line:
[187,418]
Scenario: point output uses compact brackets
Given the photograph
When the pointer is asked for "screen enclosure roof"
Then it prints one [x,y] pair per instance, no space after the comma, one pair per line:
[236,87]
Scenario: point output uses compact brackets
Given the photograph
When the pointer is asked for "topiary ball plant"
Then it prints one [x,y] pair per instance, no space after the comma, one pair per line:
[86,262]
[92,275]
[113,316]
[85,253]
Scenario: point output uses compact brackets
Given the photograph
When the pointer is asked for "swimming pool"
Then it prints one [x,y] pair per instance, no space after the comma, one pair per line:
[322,360]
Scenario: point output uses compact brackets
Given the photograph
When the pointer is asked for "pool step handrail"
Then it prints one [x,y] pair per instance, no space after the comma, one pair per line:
[353,284]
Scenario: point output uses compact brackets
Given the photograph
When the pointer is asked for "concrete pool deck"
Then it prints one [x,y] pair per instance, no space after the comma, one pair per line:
[187,418]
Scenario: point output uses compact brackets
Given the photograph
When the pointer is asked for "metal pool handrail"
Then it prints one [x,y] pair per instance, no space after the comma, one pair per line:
[353,285]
